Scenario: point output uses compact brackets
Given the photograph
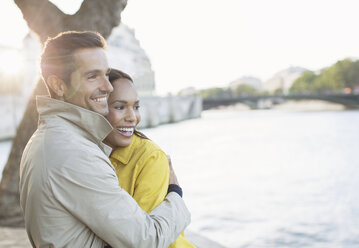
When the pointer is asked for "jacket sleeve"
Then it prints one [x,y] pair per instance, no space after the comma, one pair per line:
[152,181]
[151,187]
[88,189]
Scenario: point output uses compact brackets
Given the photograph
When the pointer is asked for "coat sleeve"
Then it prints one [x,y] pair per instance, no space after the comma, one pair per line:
[152,181]
[88,189]
[151,187]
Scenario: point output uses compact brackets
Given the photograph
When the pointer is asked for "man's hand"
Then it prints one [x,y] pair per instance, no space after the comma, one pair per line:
[173,177]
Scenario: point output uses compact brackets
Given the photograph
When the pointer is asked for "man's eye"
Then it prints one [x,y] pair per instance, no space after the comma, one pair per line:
[137,107]
[92,76]
[119,107]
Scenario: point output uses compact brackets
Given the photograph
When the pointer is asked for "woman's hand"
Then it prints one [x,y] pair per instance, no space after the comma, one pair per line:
[173,177]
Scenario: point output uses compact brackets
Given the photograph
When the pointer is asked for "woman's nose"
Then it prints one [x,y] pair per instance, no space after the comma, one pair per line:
[130,116]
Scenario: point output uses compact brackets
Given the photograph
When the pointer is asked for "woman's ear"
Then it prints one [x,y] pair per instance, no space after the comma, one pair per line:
[57,85]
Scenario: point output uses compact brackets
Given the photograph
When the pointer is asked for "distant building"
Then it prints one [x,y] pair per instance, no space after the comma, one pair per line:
[189,91]
[251,81]
[125,53]
[283,80]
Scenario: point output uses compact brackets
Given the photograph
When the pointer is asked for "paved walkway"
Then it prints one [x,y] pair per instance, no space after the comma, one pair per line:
[17,238]
[14,238]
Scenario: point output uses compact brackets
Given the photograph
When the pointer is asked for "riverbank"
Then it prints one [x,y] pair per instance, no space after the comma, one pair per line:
[154,111]
[17,238]
[292,105]
[309,105]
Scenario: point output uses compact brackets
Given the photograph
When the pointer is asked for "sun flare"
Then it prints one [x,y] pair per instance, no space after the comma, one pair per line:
[11,62]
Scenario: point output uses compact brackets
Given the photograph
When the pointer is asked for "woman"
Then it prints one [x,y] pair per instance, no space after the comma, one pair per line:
[141,166]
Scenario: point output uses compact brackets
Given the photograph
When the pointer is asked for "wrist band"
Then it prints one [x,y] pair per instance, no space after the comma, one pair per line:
[175,188]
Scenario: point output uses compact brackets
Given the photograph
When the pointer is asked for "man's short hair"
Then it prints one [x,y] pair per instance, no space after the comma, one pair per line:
[57,56]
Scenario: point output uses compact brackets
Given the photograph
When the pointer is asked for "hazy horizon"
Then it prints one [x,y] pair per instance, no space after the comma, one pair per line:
[206,44]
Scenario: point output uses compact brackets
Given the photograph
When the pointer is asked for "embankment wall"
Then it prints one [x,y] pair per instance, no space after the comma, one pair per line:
[154,111]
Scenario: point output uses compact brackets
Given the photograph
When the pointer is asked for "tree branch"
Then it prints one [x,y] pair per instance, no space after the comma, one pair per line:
[101,16]
[47,20]
[42,16]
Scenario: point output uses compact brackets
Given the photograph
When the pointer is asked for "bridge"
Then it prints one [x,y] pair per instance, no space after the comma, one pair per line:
[351,101]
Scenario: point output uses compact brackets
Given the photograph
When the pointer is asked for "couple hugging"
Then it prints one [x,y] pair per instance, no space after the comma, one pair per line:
[88,178]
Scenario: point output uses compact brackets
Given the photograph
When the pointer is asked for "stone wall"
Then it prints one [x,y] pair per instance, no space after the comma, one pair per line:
[154,111]
[159,110]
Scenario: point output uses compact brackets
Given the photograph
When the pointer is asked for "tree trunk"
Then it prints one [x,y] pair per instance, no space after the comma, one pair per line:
[10,211]
[46,20]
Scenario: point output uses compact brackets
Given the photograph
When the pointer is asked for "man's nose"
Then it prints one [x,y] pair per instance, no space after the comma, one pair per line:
[107,86]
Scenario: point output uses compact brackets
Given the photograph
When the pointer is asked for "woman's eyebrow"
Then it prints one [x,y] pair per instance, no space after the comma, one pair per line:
[120,101]
[123,101]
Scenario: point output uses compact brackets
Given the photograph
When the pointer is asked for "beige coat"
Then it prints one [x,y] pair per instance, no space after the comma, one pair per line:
[69,191]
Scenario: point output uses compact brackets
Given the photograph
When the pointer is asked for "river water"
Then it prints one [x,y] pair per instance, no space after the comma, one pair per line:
[267,178]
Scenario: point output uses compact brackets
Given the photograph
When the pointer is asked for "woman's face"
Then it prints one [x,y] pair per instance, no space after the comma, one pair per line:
[124,114]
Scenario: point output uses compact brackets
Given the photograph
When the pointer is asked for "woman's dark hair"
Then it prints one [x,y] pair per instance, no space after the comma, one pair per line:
[117,74]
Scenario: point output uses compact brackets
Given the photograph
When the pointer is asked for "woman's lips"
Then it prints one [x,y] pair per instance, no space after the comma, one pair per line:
[126,131]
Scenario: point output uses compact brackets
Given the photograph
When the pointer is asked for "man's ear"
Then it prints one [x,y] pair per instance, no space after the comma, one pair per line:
[57,85]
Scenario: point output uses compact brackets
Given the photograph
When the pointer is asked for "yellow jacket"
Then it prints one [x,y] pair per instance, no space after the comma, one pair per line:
[142,170]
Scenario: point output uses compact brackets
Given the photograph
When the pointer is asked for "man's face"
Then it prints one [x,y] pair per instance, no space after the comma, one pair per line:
[89,86]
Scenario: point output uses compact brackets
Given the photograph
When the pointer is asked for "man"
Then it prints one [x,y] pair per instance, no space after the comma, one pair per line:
[69,191]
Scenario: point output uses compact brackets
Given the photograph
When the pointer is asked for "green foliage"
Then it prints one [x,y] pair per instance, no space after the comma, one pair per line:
[216,93]
[304,84]
[222,93]
[278,91]
[244,90]
[343,74]
[349,72]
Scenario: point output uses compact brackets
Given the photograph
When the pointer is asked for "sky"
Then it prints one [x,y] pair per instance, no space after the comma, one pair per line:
[207,43]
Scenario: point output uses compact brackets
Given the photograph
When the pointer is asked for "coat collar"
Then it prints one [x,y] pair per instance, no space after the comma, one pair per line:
[124,154]
[95,125]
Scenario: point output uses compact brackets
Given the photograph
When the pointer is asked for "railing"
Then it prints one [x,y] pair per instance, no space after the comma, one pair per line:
[349,100]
